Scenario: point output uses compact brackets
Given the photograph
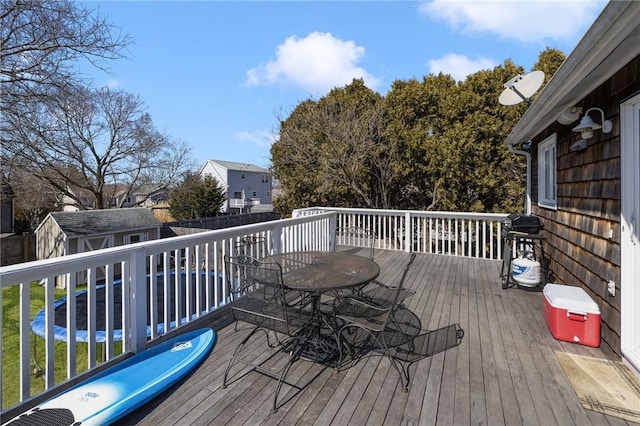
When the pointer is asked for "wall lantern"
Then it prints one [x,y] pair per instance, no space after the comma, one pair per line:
[587,125]
[569,115]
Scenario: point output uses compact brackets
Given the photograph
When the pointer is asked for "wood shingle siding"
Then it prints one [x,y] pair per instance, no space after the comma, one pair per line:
[596,185]
[588,189]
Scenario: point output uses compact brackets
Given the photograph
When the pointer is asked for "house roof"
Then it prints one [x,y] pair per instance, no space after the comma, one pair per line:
[243,167]
[612,41]
[93,222]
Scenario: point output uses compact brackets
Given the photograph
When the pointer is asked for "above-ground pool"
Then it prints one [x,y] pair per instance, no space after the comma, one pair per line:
[82,334]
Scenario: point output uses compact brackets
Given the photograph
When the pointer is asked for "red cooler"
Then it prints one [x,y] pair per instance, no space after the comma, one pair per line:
[571,314]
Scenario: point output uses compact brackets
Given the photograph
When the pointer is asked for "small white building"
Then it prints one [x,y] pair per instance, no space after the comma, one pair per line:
[70,232]
[246,186]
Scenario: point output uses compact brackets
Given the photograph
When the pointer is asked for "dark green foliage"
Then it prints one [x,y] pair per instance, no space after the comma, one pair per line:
[428,145]
[196,198]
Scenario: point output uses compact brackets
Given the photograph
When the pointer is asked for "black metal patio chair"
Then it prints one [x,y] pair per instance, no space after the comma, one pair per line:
[258,247]
[373,319]
[374,291]
[251,245]
[258,298]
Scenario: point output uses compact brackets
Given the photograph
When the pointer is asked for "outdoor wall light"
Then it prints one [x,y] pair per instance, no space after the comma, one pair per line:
[587,125]
[569,115]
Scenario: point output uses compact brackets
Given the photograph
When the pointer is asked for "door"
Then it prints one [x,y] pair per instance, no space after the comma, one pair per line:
[94,243]
[629,231]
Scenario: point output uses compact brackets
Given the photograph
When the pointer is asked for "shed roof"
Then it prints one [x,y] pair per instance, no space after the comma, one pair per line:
[612,41]
[93,222]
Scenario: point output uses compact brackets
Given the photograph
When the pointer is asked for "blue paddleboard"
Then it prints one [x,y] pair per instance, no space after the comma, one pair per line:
[124,387]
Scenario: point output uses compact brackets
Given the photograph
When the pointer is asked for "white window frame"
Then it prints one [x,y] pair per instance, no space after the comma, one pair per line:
[142,236]
[547,173]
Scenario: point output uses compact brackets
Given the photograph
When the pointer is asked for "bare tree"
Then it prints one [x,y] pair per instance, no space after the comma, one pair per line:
[335,152]
[34,198]
[43,42]
[90,144]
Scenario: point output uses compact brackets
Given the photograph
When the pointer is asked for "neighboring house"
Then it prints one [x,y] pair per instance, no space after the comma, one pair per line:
[246,186]
[65,233]
[586,188]
[68,204]
[7,207]
[145,196]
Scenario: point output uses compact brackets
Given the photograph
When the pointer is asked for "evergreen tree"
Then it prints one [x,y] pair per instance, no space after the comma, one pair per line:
[196,197]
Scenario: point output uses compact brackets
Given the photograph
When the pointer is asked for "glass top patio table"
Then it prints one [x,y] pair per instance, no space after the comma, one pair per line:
[320,271]
[316,272]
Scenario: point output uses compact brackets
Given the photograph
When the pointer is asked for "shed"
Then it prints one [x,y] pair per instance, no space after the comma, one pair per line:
[584,186]
[70,232]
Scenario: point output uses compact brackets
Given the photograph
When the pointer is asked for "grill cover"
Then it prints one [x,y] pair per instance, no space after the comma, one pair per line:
[527,223]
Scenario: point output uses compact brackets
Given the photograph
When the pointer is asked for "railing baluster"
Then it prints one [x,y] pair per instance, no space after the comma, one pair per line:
[109,312]
[49,297]
[91,318]
[25,348]
[71,280]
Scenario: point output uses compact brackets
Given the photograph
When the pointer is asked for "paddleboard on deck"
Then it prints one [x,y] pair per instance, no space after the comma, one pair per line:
[124,387]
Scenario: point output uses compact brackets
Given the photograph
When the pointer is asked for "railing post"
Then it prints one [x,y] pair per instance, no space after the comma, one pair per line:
[333,224]
[138,299]
[408,232]
[277,236]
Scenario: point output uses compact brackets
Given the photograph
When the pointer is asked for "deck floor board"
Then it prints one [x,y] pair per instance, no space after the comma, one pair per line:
[505,371]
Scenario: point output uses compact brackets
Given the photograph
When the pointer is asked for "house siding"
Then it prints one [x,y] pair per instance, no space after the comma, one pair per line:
[239,178]
[578,246]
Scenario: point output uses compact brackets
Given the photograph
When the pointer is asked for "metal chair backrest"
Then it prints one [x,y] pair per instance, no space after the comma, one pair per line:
[251,245]
[258,294]
[400,287]
[358,237]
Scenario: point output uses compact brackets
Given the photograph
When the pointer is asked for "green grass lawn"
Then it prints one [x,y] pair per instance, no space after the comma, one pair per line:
[10,346]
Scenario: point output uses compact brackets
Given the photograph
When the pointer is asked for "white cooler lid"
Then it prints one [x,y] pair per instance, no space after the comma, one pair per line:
[570,298]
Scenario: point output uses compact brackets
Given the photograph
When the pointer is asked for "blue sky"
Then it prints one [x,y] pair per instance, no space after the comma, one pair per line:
[218,74]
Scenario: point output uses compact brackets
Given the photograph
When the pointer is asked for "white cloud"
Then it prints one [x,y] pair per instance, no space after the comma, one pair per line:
[316,63]
[459,66]
[112,84]
[260,138]
[527,21]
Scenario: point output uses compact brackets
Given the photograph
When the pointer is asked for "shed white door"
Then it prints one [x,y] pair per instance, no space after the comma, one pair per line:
[630,231]
[94,243]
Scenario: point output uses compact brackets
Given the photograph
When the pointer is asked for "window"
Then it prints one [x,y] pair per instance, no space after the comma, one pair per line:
[547,172]
[265,178]
[242,176]
[237,194]
[135,238]
[254,194]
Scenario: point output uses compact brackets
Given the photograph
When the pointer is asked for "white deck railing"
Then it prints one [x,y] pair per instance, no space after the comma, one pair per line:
[459,234]
[197,293]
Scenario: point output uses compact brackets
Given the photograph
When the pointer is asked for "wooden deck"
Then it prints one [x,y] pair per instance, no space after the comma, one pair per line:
[505,371]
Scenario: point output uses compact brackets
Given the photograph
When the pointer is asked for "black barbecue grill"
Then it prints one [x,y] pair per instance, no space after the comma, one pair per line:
[522,239]
[526,223]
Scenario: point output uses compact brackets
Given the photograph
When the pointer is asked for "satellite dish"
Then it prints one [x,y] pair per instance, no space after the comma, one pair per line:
[521,88]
